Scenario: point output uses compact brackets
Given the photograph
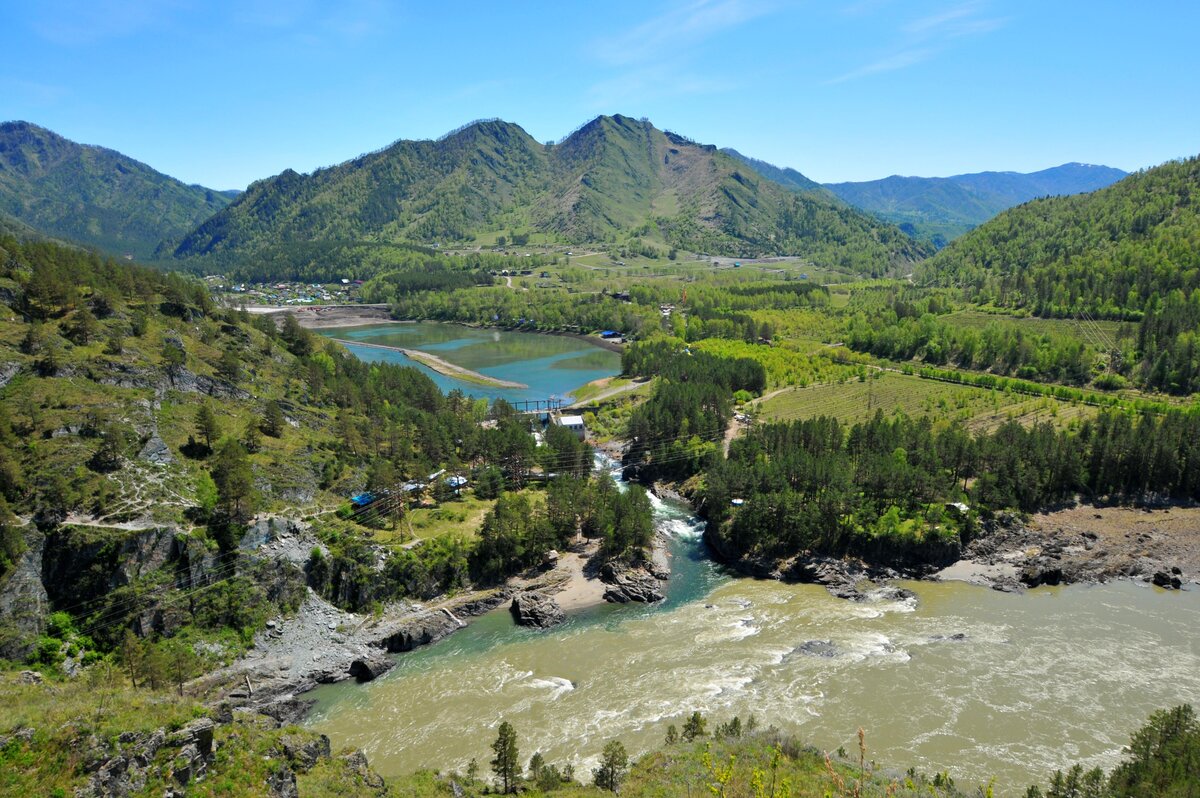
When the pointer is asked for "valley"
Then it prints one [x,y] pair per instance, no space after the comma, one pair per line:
[588,437]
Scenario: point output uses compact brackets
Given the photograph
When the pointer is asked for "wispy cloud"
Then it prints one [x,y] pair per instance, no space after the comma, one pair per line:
[680,28]
[656,58]
[925,37]
[891,63]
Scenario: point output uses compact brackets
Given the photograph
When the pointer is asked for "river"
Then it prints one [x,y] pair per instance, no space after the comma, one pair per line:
[983,683]
[550,365]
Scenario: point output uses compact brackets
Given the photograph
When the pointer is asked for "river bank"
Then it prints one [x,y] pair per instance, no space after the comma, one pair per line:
[324,317]
[322,644]
[1084,544]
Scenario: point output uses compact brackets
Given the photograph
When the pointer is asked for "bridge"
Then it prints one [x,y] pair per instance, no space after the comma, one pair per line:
[540,405]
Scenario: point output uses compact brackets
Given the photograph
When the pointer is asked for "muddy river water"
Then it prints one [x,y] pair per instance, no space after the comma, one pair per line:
[983,683]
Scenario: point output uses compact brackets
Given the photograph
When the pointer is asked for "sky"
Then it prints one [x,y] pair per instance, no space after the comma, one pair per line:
[224,93]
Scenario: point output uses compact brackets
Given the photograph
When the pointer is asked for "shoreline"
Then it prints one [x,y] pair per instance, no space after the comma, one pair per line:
[443,367]
[1080,545]
[323,317]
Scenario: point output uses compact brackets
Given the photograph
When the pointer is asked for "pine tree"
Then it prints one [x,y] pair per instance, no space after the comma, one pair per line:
[206,424]
[613,764]
[273,420]
[507,764]
[694,727]
[252,437]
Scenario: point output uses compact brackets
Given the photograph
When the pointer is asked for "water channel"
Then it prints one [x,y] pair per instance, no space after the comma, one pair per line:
[982,683]
[550,365]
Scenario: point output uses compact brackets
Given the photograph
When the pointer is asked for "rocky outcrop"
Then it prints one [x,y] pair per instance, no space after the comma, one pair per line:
[371,666]
[536,609]
[626,583]
[156,451]
[124,766]
[24,604]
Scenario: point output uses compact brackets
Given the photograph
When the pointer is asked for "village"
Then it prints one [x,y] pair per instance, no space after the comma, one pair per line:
[342,292]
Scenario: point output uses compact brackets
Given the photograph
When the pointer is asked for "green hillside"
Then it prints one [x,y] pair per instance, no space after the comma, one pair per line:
[941,209]
[93,195]
[1127,252]
[613,179]
[784,176]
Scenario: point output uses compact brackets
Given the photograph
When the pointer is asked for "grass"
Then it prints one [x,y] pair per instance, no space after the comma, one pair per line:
[855,400]
[763,765]
[596,387]
[80,723]
[1069,328]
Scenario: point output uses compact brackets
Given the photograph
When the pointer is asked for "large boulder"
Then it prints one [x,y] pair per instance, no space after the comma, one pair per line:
[537,609]
[626,583]
[370,666]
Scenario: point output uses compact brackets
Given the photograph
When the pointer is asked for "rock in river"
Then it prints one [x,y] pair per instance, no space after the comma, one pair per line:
[537,609]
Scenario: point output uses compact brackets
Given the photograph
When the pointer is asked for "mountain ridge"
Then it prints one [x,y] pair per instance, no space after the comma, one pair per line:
[94,195]
[614,177]
[943,208]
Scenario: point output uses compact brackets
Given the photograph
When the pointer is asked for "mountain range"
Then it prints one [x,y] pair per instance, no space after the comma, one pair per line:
[940,209]
[92,195]
[613,179]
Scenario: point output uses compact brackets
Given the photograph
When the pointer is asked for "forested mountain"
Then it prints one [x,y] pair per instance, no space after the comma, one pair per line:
[1130,251]
[614,178]
[942,208]
[94,195]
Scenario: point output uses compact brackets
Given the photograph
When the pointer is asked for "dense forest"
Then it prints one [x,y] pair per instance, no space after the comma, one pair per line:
[1126,252]
[889,484]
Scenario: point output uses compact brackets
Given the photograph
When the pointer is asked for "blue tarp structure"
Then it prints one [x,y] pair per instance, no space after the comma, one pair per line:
[362,499]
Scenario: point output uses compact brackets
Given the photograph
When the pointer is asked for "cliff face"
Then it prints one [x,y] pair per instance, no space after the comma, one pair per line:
[24,603]
[144,578]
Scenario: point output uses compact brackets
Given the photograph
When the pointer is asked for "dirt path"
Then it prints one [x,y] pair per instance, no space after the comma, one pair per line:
[608,393]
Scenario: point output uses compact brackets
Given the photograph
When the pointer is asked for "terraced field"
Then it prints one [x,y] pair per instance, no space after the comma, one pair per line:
[856,400]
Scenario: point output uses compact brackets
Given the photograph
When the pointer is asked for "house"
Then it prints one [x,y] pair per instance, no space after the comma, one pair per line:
[573,423]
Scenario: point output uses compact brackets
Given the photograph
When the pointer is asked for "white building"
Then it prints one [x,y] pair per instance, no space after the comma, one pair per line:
[573,423]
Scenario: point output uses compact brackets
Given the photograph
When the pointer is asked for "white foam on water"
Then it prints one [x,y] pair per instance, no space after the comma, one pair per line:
[557,685]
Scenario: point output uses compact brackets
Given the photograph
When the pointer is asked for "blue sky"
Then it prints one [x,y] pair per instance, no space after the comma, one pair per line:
[223,93]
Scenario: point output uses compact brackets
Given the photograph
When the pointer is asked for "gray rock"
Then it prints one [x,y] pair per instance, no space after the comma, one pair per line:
[305,752]
[156,451]
[198,733]
[626,583]
[282,783]
[371,666]
[817,648]
[537,609]
[356,762]
[24,604]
